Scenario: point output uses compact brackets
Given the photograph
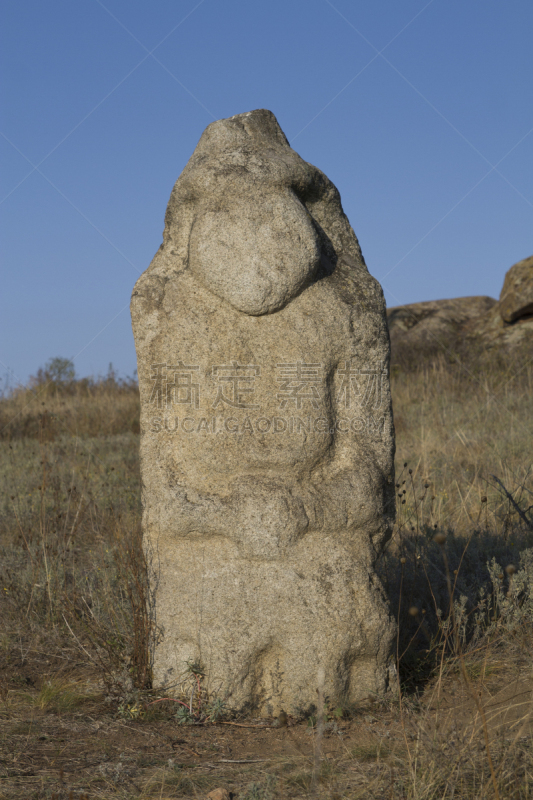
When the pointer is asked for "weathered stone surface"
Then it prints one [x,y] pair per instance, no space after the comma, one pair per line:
[465,327]
[435,326]
[516,297]
[266,429]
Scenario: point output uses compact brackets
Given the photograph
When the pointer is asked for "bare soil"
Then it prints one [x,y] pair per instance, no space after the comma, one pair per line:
[88,749]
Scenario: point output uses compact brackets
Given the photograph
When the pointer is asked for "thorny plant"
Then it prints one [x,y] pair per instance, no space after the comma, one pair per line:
[460,626]
[444,588]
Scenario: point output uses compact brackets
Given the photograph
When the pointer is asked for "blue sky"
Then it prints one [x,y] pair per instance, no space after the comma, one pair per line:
[420,112]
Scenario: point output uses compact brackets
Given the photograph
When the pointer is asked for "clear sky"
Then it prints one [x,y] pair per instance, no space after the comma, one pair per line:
[420,112]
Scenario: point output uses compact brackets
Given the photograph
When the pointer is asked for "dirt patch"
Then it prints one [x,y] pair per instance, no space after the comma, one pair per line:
[91,751]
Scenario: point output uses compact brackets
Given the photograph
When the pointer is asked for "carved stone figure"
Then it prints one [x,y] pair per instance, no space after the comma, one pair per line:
[267,439]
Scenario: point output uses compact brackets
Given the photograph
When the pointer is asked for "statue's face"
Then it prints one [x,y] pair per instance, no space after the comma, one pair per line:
[259,258]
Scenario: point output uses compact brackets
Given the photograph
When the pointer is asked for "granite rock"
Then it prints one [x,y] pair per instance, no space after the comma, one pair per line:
[466,329]
[516,297]
[267,439]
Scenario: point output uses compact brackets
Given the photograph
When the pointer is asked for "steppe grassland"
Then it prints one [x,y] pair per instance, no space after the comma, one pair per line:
[76,608]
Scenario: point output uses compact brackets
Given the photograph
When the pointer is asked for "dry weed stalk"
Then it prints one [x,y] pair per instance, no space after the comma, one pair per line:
[75,578]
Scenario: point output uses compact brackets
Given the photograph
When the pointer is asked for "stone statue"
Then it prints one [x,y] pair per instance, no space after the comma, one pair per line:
[267,439]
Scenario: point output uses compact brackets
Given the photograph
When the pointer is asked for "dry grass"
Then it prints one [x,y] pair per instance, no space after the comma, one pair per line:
[77,614]
[457,428]
[85,408]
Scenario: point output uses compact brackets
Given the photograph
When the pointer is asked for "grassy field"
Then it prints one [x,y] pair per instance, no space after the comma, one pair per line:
[78,715]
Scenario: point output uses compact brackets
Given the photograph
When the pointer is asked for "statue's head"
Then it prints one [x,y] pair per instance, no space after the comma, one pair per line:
[250,219]
[256,259]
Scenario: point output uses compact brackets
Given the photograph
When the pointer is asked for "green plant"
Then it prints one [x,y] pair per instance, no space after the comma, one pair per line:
[216,709]
[508,607]
[57,371]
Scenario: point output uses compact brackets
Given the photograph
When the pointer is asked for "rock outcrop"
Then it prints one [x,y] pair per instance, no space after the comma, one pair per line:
[266,429]
[465,326]
[516,297]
